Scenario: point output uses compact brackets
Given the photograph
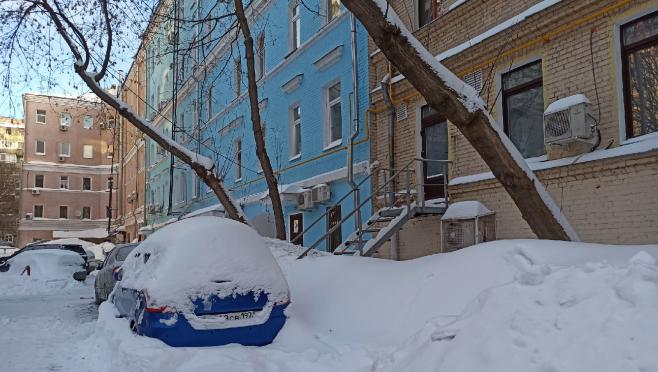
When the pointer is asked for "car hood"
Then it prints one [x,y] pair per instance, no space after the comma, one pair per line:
[47,264]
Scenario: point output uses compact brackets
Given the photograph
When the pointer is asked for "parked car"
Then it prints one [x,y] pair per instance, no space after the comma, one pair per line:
[105,281]
[203,281]
[7,251]
[46,262]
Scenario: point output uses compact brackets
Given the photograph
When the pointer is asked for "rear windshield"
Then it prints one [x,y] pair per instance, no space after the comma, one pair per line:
[67,247]
[123,252]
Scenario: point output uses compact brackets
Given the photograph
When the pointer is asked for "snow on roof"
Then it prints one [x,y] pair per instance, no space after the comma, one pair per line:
[464,210]
[638,145]
[565,103]
[209,211]
[202,256]
[97,233]
[101,250]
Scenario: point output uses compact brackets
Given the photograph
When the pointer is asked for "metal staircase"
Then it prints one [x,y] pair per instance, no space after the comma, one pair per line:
[396,209]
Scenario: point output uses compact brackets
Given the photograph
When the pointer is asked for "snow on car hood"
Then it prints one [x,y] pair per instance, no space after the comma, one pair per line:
[47,264]
[201,256]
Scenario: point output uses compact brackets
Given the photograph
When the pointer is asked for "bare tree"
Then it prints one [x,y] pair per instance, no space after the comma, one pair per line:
[462,105]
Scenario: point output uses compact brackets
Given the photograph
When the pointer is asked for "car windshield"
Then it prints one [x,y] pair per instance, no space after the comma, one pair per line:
[124,251]
[67,247]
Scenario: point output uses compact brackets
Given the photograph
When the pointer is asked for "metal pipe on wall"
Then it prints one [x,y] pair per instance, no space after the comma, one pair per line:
[354,129]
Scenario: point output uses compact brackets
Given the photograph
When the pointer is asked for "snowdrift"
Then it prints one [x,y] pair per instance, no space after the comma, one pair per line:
[521,305]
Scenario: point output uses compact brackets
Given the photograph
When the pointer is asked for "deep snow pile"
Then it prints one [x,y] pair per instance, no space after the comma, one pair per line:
[200,256]
[521,305]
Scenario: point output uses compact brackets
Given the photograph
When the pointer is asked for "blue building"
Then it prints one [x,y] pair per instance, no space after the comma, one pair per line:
[312,75]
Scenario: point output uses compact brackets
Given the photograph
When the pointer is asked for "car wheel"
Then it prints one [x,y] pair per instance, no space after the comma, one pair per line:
[133,326]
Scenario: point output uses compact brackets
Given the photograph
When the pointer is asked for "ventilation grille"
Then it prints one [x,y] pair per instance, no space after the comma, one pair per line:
[557,125]
[474,79]
[401,112]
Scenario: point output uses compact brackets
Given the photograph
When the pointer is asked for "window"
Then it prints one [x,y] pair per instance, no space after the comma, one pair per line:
[427,11]
[63,211]
[639,41]
[65,149]
[63,182]
[334,122]
[181,185]
[111,123]
[86,213]
[8,131]
[295,132]
[181,122]
[195,187]
[260,55]
[294,36]
[523,109]
[237,80]
[65,119]
[38,180]
[86,183]
[238,159]
[41,116]
[333,9]
[87,151]
[40,148]
[88,122]
[37,211]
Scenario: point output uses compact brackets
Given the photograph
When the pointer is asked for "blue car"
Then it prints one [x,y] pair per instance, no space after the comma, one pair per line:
[203,281]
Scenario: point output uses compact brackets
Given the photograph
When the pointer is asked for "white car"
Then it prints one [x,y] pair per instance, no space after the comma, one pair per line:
[49,264]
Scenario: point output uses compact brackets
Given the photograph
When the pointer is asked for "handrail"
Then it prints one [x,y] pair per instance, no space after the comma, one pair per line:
[405,169]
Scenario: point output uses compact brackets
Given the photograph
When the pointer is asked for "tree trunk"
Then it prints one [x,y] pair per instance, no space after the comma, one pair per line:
[443,92]
[261,150]
[207,174]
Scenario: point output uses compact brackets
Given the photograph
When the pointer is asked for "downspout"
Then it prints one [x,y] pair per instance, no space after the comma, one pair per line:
[390,114]
[354,132]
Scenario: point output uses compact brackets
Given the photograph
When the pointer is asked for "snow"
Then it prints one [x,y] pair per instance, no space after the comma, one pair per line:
[473,103]
[565,103]
[465,210]
[201,256]
[97,233]
[638,145]
[516,305]
[101,250]
[85,244]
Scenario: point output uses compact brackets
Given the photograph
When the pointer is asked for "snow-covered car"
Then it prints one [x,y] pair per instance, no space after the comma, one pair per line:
[203,281]
[7,251]
[50,264]
[104,282]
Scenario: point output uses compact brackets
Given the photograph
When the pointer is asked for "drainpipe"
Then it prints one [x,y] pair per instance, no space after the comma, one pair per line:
[354,132]
[390,113]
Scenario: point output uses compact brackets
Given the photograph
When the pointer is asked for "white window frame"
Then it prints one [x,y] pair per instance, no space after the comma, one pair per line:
[260,56]
[294,26]
[90,119]
[328,143]
[90,152]
[62,145]
[45,116]
[34,210]
[43,181]
[63,179]
[59,212]
[238,159]
[36,147]
[195,186]
[82,187]
[294,127]
[62,122]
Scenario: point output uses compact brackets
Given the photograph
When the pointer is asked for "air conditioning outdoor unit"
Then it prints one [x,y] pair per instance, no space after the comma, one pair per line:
[305,200]
[466,223]
[569,120]
[62,158]
[320,193]
[64,128]
[78,214]
[36,192]
[28,216]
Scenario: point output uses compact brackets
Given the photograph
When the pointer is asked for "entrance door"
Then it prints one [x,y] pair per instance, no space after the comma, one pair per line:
[434,138]
[333,218]
[296,222]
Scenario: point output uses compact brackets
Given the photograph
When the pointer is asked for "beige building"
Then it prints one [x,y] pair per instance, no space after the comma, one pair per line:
[132,157]
[523,56]
[11,157]
[67,166]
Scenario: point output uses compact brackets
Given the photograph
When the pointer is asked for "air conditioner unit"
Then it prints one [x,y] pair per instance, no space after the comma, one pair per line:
[36,192]
[569,120]
[28,216]
[63,127]
[62,158]
[466,223]
[78,214]
[305,200]
[320,193]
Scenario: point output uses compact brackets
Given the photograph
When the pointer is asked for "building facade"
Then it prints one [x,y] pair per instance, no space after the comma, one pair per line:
[11,157]
[523,56]
[67,169]
[312,75]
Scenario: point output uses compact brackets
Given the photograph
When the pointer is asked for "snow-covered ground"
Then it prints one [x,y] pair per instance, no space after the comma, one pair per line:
[504,306]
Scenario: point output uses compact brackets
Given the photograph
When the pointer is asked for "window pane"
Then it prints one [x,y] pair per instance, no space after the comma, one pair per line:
[86,183]
[524,114]
[38,180]
[86,213]
[640,30]
[41,147]
[41,116]
[88,122]
[66,119]
[63,211]
[87,151]
[424,12]
[436,145]
[336,122]
[297,139]
[643,81]
[334,92]
[38,211]
[522,76]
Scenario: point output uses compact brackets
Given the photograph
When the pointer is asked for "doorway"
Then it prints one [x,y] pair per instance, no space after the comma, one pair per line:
[434,140]
[334,239]
[296,228]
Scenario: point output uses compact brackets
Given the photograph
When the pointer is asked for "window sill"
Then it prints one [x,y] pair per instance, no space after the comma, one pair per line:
[333,145]
[238,180]
[296,157]
[641,138]
[40,154]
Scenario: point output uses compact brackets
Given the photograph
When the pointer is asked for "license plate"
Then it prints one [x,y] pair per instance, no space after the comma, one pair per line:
[240,315]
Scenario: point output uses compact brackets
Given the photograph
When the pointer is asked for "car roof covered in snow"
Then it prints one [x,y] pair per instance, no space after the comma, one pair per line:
[200,256]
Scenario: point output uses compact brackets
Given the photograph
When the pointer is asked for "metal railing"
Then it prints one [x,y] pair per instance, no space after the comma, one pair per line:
[388,188]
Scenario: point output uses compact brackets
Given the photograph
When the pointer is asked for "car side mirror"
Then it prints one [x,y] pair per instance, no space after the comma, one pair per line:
[80,276]
[117,273]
